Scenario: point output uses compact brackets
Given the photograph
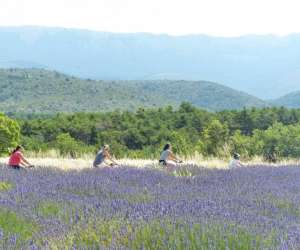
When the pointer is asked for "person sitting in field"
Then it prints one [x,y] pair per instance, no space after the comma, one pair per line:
[235,162]
[167,158]
[17,160]
[103,158]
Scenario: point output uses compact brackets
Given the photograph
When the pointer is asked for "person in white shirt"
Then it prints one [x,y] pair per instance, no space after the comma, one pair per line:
[235,162]
[167,158]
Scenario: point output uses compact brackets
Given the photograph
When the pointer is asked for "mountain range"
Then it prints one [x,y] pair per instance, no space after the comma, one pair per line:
[43,91]
[291,100]
[264,66]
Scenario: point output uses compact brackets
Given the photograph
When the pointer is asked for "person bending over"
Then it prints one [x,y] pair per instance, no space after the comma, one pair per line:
[167,158]
[17,160]
[103,158]
[235,162]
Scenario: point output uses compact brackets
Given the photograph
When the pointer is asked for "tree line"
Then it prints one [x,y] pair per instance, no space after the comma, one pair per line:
[273,133]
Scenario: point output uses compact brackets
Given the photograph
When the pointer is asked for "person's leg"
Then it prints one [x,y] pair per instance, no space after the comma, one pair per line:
[163,164]
[101,165]
[16,167]
[171,165]
[98,164]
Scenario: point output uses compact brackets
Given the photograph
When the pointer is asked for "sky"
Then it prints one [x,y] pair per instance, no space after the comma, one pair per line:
[174,17]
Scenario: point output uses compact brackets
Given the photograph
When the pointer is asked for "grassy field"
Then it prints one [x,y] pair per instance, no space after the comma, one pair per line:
[66,204]
[52,159]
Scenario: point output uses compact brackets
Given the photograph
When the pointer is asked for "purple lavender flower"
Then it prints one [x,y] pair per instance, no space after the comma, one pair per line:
[119,208]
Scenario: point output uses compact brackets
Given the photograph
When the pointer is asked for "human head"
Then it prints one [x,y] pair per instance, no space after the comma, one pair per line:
[105,147]
[18,148]
[236,156]
[167,146]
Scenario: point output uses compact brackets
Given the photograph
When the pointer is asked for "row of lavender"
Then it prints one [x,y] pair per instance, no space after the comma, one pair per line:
[127,208]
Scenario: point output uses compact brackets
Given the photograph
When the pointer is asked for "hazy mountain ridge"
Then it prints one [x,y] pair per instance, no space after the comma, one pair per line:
[291,100]
[264,66]
[40,91]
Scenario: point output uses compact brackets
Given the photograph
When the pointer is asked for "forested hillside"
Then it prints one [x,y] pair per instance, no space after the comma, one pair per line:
[269,132]
[41,91]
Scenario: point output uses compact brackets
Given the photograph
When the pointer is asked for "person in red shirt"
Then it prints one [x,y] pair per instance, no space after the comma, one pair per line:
[17,160]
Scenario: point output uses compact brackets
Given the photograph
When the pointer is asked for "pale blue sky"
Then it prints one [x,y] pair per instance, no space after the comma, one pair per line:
[213,17]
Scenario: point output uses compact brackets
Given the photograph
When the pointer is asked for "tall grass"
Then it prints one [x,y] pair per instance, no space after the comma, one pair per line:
[156,235]
[12,224]
[52,158]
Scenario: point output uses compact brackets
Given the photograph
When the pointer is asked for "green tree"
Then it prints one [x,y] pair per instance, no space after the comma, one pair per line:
[9,134]
[241,144]
[67,145]
[180,144]
[215,137]
[278,141]
[93,136]
[133,139]
[246,123]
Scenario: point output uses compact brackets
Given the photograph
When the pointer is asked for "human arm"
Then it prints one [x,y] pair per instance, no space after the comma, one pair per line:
[109,157]
[239,164]
[174,157]
[25,163]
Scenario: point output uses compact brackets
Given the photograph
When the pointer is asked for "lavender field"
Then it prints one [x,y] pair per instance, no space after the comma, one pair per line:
[255,207]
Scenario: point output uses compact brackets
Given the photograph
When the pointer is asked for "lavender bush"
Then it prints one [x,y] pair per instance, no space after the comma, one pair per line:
[255,207]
